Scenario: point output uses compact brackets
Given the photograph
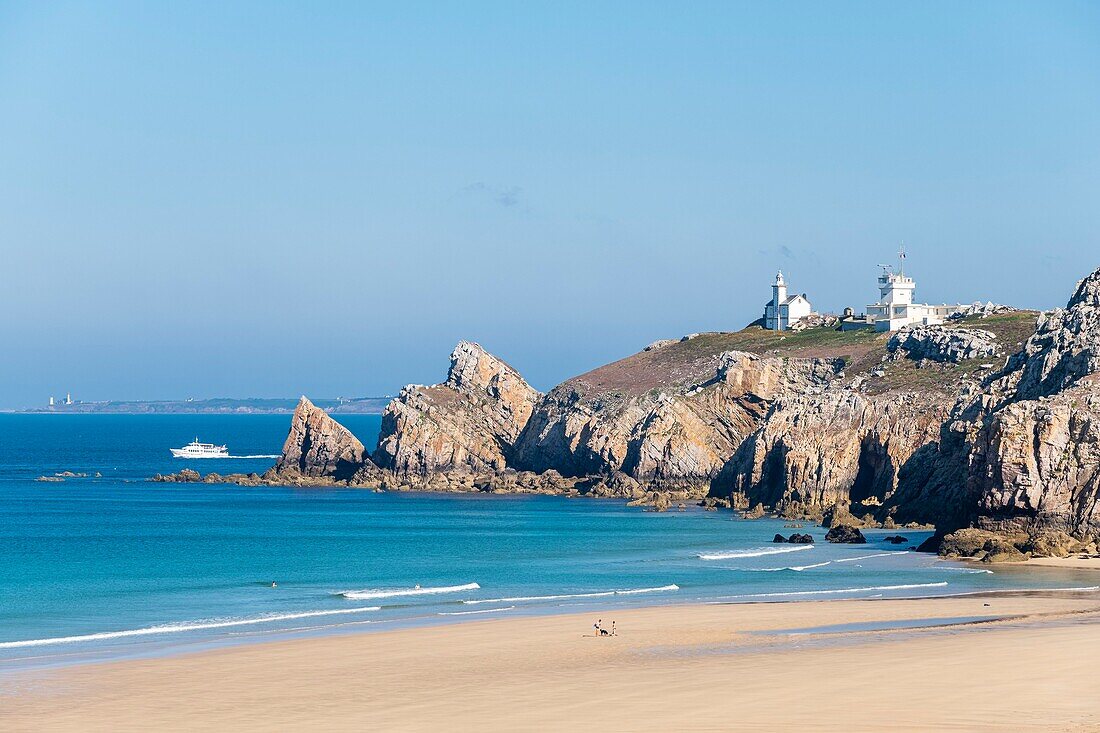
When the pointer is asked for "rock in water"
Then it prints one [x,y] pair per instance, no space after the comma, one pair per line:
[319,447]
[468,423]
[843,534]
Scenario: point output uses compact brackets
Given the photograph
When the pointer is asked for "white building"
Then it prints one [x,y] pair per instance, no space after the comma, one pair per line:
[781,311]
[895,307]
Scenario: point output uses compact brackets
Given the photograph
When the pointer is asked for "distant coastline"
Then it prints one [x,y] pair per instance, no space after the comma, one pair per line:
[219,405]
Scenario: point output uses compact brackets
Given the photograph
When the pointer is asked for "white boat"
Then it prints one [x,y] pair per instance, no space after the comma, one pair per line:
[195,449]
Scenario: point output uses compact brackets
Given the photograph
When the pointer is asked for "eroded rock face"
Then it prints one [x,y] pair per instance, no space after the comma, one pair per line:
[1026,446]
[817,451]
[468,423]
[319,447]
[679,435]
[942,344]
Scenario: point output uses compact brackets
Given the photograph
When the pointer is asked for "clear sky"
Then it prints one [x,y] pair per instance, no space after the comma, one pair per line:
[268,199]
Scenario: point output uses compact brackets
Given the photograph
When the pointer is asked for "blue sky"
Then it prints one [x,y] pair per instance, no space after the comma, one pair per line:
[267,199]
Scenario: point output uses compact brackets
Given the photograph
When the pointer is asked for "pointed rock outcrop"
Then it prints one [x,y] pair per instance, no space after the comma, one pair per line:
[470,422]
[318,447]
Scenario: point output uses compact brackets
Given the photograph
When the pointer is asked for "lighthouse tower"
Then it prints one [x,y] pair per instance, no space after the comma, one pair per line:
[779,289]
[783,310]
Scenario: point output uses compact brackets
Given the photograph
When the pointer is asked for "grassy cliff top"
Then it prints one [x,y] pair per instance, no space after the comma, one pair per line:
[695,360]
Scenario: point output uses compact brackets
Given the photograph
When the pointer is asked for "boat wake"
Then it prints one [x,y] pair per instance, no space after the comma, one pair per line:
[362,595]
[563,596]
[176,628]
[240,458]
[758,552]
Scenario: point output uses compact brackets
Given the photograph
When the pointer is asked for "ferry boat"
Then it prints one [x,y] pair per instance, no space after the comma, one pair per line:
[195,449]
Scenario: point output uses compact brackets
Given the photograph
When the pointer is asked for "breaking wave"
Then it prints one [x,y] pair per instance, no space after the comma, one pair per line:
[758,552]
[940,584]
[563,596]
[877,554]
[181,627]
[470,613]
[362,595]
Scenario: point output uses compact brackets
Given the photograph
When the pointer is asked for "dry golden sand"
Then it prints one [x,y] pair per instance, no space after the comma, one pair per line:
[671,668]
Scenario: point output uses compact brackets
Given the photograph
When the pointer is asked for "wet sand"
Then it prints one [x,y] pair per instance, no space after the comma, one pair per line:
[700,667]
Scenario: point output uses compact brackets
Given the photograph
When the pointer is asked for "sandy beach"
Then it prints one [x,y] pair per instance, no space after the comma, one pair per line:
[756,667]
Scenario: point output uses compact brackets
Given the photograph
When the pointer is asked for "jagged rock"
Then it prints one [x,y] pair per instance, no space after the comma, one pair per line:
[318,447]
[672,414]
[999,550]
[895,539]
[1052,543]
[814,451]
[844,534]
[980,310]
[755,513]
[778,538]
[186,476]
[800,539]
[468,423]
[942,343]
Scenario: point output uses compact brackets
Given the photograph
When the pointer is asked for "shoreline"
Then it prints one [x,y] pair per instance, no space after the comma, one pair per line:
[754,666]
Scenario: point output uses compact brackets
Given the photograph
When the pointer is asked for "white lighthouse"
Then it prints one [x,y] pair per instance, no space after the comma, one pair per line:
[783,310]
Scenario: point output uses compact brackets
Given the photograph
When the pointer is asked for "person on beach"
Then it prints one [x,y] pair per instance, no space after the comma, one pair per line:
[596,626]
[613,632]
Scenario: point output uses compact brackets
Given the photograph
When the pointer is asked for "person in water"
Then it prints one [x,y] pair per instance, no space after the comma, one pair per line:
[274,584]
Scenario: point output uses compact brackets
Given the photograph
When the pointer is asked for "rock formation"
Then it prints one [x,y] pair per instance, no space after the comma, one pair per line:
[318,447]
[670,415]
[468,423]
[839,447]
[942,343]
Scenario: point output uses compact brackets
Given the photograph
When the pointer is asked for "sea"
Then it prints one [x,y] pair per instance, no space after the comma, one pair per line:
[107,565]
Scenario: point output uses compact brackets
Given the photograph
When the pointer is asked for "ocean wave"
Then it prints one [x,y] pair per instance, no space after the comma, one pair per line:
[789,568]
[908,586]
[960,570]
[877,554]
[470,613]
[363,595]
[561,596]
[758,552]
[1075,589]
[176,628]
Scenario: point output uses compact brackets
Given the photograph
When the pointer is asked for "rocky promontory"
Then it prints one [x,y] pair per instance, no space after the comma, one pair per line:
[987,423]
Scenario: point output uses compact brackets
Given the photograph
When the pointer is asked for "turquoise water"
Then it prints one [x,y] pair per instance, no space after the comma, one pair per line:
[94,568]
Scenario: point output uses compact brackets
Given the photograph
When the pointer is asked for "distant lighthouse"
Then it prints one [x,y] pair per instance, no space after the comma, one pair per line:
[68,398]
[51,402]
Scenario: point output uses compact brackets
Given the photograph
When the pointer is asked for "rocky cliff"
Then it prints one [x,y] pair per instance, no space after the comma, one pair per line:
[468,423]
[1034,461]
[318,447]
[930,425]
[670,415]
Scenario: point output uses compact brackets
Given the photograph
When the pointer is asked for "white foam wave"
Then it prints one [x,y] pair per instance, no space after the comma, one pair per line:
[840,590]
[561,596]
[960,570]
[758,552]
[800,568]
[470,613]
[877,554]
[362,595]
[181,627]
[1077,589]
[263,456]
